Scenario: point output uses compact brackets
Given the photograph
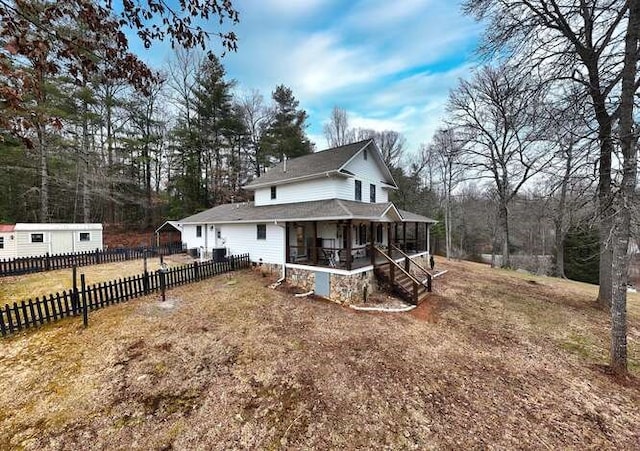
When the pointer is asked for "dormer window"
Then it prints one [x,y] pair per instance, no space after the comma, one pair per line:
[358,190]
[273,192]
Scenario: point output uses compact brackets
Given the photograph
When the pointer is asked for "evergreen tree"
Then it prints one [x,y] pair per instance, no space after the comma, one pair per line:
[285,135]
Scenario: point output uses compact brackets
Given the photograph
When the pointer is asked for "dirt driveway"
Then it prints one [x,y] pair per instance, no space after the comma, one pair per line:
[230,363]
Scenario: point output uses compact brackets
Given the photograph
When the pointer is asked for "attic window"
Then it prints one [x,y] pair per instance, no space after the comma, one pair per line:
[273,192]
[364,153]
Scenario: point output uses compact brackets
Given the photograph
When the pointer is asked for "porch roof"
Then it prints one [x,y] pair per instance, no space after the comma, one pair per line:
[408,216]
[321,210]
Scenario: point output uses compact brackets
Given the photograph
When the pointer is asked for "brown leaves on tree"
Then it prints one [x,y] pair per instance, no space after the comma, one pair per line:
[80,39]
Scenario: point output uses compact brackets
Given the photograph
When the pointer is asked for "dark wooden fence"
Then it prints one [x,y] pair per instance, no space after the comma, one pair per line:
[26,265]
[80,300]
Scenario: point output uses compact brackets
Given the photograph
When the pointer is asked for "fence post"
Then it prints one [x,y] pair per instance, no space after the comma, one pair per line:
[47,263]
[163,282]
[85,313]
[429,283]
[97,256]
[74,293]
[196,271]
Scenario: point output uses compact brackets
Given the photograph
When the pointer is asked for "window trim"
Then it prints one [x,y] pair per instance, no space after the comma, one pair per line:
[274,193]
[33,235]
[358,191]
[261,228]
[84,233]
[198,231]
[372,193]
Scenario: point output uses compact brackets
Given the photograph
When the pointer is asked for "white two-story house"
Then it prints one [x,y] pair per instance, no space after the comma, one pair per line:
[324,219]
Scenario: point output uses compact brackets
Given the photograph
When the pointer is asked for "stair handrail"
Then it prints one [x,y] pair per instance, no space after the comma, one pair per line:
[411,261]
[393,262]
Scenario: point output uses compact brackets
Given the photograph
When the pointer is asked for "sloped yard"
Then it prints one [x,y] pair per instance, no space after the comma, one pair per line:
[494,358]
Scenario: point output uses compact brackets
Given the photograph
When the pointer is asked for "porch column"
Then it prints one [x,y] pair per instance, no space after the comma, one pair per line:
[349,245]
[314,249]
[372,250]
[390,253]
[416,237]
[395,233]
[287,249]
[404,236]
[428,226]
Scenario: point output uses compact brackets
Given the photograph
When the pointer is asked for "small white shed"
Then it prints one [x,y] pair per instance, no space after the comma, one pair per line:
[31,240]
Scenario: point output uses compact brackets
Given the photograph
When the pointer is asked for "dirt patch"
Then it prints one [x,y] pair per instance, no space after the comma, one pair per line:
[430,308]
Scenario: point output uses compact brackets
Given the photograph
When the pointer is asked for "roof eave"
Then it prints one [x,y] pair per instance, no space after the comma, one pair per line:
[254,186]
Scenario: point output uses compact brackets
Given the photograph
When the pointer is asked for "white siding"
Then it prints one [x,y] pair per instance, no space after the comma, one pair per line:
[9,246]
[25,248]
[366,170]
[206,241]
[95,241]
[347,190]
[242,239]
[316,189]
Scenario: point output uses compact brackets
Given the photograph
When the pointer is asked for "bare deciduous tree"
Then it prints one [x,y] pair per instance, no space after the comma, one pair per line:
[593,43]
[495,114]
[337,131]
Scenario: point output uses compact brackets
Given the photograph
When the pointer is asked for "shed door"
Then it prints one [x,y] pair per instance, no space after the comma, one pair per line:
[61,242]
[322,284]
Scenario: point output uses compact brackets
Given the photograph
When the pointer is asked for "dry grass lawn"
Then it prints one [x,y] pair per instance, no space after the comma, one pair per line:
[20,288]
[494,359]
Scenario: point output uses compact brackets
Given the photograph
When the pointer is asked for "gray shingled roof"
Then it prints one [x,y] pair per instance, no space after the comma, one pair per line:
[330,160]
[321,210]
[407,216]
[330,209]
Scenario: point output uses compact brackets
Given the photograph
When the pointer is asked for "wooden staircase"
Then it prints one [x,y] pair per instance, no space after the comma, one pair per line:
[400,280]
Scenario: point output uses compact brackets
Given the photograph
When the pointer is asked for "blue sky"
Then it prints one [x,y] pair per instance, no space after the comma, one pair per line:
[388,63]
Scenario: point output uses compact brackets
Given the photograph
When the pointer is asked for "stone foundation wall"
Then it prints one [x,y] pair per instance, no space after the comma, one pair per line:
[343,289]
[350,289]
[301,278]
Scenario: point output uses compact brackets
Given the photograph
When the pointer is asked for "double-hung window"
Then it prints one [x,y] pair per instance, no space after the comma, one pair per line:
[358,190]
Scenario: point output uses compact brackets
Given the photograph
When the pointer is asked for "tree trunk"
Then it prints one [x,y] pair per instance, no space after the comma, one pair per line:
[504,225]
[625,195]
[44,176]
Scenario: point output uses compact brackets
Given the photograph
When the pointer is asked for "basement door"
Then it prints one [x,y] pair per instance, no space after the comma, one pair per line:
[322,284]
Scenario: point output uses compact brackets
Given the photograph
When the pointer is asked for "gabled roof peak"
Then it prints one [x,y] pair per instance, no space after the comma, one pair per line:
[323,162]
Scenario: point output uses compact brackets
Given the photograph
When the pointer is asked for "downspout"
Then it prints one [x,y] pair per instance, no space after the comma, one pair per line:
[284,255]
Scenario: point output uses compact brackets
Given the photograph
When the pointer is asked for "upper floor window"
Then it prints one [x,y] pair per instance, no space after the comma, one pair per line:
[372,193]
[85,236]
[358,190]
[262,231]
[37,237]
[198,231]
[273,192]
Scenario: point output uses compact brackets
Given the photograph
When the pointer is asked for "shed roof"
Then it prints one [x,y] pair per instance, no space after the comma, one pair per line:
[35,227]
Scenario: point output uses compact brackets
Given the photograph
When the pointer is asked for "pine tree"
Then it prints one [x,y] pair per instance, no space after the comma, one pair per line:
[285,135]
